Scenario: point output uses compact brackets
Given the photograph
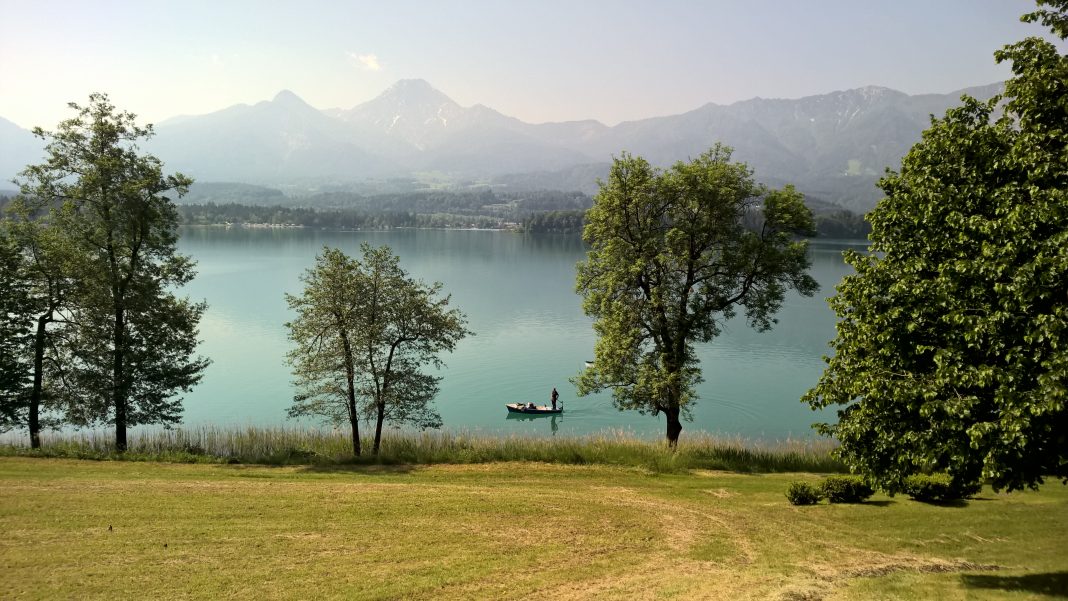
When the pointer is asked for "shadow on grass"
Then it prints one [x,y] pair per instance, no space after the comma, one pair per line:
[368,469]
[372,469]
[955,503]
[1053,584]
[886,503]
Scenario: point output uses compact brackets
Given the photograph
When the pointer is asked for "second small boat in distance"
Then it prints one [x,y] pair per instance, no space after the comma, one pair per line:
[526,408]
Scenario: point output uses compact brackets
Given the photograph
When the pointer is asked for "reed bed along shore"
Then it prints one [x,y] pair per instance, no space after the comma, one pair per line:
[323,446]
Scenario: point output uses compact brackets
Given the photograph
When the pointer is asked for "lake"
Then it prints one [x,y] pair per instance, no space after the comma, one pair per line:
[530,334]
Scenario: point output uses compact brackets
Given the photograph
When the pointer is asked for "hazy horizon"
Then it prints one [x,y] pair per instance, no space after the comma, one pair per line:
[539,62]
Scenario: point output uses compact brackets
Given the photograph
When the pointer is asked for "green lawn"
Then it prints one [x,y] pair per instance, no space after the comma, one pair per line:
[501,531]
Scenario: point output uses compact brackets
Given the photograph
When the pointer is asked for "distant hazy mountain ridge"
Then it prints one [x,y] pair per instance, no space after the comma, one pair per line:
[18,148]
[832,146]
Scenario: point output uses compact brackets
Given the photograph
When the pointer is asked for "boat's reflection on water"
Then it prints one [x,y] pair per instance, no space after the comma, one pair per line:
[553,419]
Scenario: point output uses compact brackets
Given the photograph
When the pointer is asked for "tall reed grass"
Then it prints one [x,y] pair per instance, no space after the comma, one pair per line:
[291,446]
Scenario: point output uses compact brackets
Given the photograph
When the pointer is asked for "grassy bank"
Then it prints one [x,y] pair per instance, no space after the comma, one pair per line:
[293,446]
[92,529]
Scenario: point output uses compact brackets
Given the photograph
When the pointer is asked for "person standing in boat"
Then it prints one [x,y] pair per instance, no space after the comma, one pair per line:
[555,396]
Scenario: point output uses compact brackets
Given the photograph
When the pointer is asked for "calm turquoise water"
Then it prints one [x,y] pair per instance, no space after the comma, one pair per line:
[531,334]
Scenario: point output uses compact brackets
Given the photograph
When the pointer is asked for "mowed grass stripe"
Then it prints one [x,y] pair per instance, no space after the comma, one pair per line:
[499,531]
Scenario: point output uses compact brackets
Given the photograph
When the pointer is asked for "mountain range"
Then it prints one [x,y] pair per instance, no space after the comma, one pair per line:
[833,147]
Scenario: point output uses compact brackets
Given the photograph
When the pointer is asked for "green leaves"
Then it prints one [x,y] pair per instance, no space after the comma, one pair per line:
[99,205]
[672,254]
[16,315]
[363,331]
[950,352]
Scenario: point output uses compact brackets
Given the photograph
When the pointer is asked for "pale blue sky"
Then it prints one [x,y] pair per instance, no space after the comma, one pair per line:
[543,60]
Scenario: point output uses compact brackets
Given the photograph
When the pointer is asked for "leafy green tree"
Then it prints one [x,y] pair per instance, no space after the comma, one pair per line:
[131,339]
[325,359]
[16,314]
[43,286]
[672,255]
[952,345]
[363,331]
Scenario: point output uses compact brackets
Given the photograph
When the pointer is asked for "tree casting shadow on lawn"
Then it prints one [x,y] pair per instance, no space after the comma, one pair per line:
[1054,584]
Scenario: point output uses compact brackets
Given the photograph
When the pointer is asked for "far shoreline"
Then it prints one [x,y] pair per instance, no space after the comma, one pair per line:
[517,230]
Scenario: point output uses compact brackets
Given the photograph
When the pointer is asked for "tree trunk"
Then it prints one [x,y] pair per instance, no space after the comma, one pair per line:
[674,426]
[38,380]
[118,389]
[354,419]
[378,425]
[350,377]
[673,410]
[354,423]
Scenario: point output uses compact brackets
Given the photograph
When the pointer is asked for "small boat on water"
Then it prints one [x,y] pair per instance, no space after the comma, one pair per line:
[537,410]
[587,364]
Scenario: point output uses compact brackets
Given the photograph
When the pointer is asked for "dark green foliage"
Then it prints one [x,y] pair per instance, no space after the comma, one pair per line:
[1056,19]
[158,347]
[16,320]
[937,488]
[45,284]
[131,341]
[842,224]
[846,489]
[483,201]
[952,347]
[673,254]
[338,219]
[836,224]
[803,493]
[554,221]
[440,209]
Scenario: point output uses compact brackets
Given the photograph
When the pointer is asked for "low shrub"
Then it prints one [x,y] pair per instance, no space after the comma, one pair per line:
[846,489]
[803,493]
[938,487]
